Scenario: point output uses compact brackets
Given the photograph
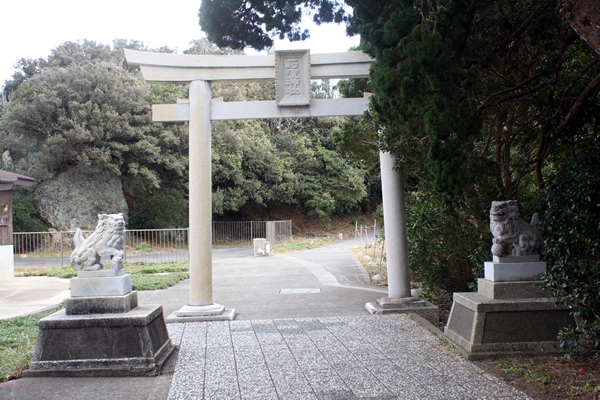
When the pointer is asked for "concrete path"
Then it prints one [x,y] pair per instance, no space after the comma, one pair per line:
[301,333]
[327,281]
[31,295]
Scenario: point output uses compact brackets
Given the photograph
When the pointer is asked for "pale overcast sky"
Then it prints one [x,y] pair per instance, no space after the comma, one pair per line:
[32,28]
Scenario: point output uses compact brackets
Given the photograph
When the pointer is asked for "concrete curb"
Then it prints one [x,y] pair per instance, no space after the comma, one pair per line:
[44,310]
[427,325]
[366,276]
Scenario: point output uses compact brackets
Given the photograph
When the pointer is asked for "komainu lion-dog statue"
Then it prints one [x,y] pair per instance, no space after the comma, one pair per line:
[107,240]
[507,227]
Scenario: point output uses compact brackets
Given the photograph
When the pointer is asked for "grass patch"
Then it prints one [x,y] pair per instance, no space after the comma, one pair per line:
[17,341]
[372,261]
[241,243]
[157,276]
[451,347]
[142,268]
[301,243]
[156,282]
[509,366]
[550,377]
[143,276]
[61,272]
[38,255]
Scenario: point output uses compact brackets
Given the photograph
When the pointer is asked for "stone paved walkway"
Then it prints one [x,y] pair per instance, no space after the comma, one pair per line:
[375,357]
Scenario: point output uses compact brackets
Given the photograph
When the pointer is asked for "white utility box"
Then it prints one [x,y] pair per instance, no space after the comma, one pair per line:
[262,247]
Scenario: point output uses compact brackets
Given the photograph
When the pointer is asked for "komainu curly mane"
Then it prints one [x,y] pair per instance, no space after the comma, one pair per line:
[107,239]
[507,227]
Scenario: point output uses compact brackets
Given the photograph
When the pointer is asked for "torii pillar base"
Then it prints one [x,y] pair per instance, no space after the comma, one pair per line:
[213,312]
[414,305]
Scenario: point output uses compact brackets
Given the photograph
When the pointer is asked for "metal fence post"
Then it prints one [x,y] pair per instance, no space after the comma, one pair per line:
[62,254]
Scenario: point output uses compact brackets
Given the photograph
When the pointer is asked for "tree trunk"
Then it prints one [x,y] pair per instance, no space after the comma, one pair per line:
[584,18]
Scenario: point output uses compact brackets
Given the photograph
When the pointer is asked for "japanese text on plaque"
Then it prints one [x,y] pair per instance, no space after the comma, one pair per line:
[292,77]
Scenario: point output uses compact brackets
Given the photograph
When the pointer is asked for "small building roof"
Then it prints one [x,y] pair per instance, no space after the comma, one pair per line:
[10,179]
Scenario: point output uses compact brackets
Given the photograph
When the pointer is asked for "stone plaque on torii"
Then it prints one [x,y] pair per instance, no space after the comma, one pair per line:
[292,70]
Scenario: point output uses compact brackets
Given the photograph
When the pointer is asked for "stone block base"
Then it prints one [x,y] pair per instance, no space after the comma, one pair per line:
[135,343]
[511,290]
[387,305]
[481,326]
[101,304]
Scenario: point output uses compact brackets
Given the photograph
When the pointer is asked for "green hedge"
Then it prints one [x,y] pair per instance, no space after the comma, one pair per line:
[570,224]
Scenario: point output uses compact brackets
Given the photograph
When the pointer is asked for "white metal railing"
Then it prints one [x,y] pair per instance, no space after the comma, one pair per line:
[232,232]
[156,245]
[361,232]
[54,248]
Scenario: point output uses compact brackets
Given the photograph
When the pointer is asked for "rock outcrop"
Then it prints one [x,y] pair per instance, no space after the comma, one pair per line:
[75,198]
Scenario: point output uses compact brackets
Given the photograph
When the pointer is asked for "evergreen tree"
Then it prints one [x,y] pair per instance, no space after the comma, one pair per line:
[479,89]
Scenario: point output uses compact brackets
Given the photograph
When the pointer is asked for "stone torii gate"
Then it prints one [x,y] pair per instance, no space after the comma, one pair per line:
[292,70]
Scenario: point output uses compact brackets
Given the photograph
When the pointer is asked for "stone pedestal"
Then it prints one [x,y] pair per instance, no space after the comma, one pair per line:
[513,269]
[415,305]
[506,318]
[102,332]
[135,343]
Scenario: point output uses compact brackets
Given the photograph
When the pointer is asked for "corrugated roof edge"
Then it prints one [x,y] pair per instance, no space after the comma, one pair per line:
[9,179]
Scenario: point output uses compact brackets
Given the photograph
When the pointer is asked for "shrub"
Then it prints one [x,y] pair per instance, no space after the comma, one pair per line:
[446,251]
[167,208]
[570,215]
[25,216]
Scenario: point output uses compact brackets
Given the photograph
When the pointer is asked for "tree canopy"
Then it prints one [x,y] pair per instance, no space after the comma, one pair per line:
[241,23]
[477,89]
[82,106]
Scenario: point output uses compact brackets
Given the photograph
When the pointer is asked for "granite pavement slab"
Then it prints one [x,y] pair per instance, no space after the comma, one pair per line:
[348,357]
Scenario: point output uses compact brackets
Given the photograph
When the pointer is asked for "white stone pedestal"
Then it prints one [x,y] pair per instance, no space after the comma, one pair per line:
[102,332]
[7,262]
[93,283]
[514,269]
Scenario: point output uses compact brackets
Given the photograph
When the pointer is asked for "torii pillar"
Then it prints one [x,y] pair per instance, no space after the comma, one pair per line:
[201,305]
[399,298]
